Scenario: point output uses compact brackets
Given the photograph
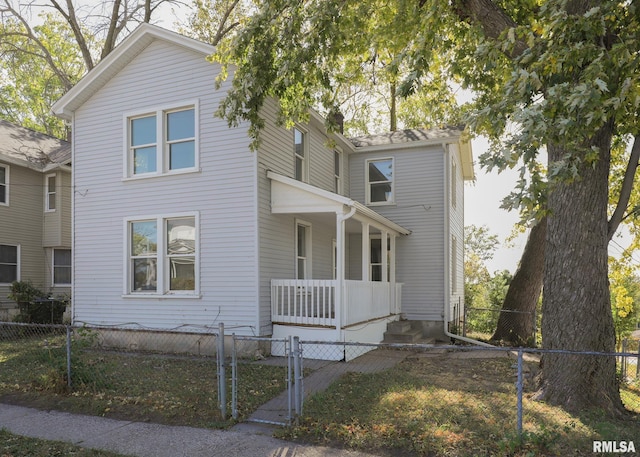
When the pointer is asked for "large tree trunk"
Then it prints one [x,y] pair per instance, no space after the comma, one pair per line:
[516,324]
[576,313]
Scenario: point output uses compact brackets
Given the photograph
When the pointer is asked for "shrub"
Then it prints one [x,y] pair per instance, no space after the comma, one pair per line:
[35,307]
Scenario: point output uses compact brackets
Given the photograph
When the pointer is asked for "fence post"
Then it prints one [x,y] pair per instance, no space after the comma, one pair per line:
[222,384]
[519,390]
[288,350]
[234,378]
[623,361]
[638,362]
[297,373]
[68,327]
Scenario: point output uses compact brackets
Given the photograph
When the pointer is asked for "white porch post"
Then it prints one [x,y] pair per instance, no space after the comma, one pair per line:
[340,251]
[392,255]
[366,251]
[384,243]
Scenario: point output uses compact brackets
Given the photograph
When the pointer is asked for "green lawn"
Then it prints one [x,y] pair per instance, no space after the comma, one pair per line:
[19,446]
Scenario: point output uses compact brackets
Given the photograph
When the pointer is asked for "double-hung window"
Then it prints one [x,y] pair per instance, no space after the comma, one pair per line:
[50,193]
[303,250]
[163,255]
[337,171]
[379,181]
[300,155]
[9,263]
[61,266]
[162,142]
[4,185]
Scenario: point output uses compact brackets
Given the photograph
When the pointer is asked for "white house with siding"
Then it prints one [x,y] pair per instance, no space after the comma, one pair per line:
[177,223]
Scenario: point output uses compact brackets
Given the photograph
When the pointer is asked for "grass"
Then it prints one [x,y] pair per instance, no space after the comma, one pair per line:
[448,407]
[19,446]
[156,388]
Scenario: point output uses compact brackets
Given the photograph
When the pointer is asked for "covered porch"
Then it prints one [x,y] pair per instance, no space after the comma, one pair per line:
[362,286]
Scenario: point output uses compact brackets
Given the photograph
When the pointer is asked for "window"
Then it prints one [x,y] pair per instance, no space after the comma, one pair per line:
[337,171]
[61,266]
[379,176]
[162,255]
[50,193]
[4,185]
[303,250]
[162,142]
[300,155]
[376,261]
[454,182]
[9,263]
[454,265]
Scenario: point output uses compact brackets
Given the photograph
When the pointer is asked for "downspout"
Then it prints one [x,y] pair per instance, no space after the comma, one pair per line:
[447,251]
[341,246]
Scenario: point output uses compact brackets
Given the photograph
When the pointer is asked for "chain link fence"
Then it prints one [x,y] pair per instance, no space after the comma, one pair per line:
[427,398]
[481,323]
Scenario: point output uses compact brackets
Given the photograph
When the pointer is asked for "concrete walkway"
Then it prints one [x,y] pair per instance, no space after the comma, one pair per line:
[251,439]
[152,440]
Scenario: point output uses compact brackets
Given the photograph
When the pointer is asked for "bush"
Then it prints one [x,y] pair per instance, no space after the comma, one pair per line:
[35,307]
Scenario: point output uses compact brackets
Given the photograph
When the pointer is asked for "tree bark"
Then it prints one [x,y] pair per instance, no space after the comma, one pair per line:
[516,324]
[576,313]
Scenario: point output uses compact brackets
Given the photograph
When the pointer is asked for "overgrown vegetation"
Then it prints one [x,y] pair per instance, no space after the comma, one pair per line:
[436,406]
[35,306]
[158,388]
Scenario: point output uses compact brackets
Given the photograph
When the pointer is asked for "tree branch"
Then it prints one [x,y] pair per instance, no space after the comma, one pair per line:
[110,40]
[72,20]
[627,187]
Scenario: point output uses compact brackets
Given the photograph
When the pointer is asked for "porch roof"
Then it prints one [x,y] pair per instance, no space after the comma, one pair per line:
[289,195]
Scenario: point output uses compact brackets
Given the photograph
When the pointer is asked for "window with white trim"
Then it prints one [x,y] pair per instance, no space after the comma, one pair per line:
[300,155]
[303,250]
[379,181]
[61,267]
[50,192]
[162,142]
[376,260]
[337,171]
[454,182]
[9,263]
[4,185]
[162,255]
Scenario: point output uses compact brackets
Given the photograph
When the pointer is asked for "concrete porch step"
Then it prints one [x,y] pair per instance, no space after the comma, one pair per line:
[408,335]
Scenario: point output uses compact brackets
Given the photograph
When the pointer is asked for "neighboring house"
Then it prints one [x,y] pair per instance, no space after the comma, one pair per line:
[178,223]
[35,212]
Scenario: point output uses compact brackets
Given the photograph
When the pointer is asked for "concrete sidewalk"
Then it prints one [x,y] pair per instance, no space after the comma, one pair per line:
[152,440]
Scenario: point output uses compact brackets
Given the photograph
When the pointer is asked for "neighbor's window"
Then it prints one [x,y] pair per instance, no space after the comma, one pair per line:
[61,266]
[4,185]
[379,177]
[50,193]
[300,155]
[454,265]
[9,263]
[162,255]
[162,142]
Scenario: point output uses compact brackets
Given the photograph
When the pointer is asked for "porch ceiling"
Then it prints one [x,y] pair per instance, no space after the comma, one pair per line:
[289,196]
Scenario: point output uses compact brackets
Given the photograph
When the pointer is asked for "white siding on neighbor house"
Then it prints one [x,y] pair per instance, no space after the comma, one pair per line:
[276,231]
[222,193]
[456,229]
[419,180]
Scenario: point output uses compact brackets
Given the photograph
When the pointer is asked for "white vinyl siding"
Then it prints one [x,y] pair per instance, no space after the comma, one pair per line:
[222,193]
[419,181]
[456,229]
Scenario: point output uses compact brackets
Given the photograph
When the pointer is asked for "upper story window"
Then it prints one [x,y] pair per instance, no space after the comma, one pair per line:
[162,142]
[300,155]
[337,171]
[162,255]
[50,193]
[454,184]
[379,181]
[4,185]
[62,266]
[9,263]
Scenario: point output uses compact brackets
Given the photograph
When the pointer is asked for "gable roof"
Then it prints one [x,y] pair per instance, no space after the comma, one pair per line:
[35,150]
[125,52]
[417,138]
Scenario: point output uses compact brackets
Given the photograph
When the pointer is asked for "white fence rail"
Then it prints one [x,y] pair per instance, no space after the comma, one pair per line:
[313,302]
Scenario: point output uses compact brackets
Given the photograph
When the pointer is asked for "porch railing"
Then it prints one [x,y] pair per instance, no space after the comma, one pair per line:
[313,302]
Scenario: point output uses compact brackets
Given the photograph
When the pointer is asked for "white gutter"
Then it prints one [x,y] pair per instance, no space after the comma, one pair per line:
[447,250]
[341,248]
